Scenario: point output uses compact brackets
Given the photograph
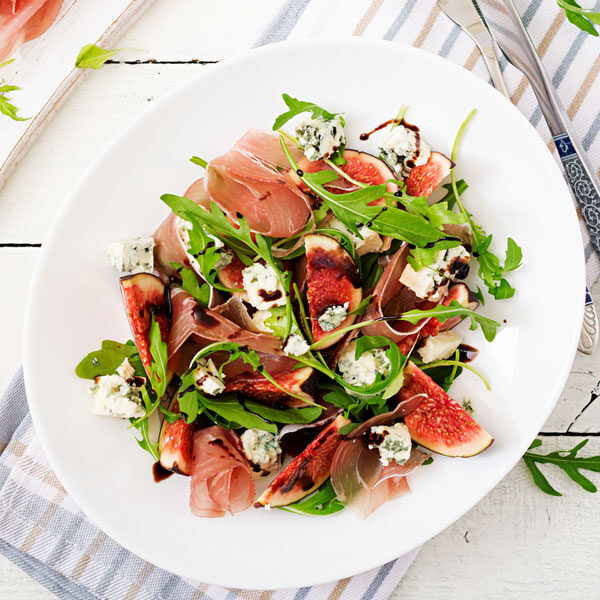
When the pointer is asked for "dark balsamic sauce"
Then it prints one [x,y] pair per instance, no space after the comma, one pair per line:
[467,353]
[365,136]
[159,473]
[268,296]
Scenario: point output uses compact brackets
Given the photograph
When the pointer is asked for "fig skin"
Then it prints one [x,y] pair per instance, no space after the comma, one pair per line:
[175,444]
[439,423]
[423,179]
[145,295]
[332,279]
[307,471]
[300,381]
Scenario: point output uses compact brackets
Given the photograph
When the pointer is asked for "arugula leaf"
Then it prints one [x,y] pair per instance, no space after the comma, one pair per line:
[490,270]
[422,257]
[106,360]
[199,161]
[370,271]
[454,309]
[6,108]
[278,321]
[230,408]
[450,198]
[189,283]
[284,415]
[170,416]
[157,374]
[142,426]
[352,208]
[93,57]
[322,502]
[567,460]
[297,107]
[580,17]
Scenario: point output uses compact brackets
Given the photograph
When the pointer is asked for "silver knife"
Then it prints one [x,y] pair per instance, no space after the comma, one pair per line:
[466,14]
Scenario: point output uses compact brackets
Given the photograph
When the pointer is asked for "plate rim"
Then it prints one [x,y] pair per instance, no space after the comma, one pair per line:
[146,114]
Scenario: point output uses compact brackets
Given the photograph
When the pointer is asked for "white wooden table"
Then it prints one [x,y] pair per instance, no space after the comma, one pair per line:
[516,543]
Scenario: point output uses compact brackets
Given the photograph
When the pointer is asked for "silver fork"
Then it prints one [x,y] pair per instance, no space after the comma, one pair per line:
[466,15]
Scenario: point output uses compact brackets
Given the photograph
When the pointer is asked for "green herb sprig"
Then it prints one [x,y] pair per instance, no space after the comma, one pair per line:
[93,57]
[322,502]
[567,460]
[584,18]
[189,283]
[297,107]
[6,108]
[108,359]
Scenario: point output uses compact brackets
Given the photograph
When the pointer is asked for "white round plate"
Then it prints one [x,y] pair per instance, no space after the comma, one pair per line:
[515,190]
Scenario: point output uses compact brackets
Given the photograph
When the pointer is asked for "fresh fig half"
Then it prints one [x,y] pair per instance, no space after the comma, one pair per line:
[145,295]
[360,166]
[231,276]
[300,382]
[175,444]
[307,471]
[439,423]
[425,178]
[332,279]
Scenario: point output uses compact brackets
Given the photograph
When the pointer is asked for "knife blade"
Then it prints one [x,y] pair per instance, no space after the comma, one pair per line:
[468,16]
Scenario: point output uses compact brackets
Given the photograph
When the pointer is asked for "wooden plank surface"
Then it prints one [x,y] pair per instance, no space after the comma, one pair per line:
[516,543]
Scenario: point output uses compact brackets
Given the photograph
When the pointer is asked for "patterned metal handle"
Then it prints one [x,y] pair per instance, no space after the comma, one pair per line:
[582,184]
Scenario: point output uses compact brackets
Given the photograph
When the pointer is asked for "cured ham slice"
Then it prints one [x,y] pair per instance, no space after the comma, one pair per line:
[362,483]
[24,20]
[192,322]
[251,179]
[221,480]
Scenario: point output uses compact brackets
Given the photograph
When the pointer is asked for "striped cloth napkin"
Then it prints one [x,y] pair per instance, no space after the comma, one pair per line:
[43,531]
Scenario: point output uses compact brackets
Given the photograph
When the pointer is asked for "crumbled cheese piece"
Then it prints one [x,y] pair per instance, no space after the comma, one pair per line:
[440,346]
[333,317]
[296,345]
[426,281]
[112,396]
[259,318]
[261,448]
[206,377]
[225,255]
[404,149]
[263,286]
[392,441]
[370,242]
[133,256]
[320,138]
[362,372]
[125,370]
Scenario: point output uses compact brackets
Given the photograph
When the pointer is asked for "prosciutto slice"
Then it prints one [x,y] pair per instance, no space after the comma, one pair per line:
[222,480]
[24,20]
[362,483]
[191,322]
[251,179]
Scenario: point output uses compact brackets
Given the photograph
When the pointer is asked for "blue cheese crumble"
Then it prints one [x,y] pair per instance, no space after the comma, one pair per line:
[403,150]
[333,316]
[262,450]
[296,345]
[320,138]
[392,441]
[428,281]
[263,286]
[368,242]
[206,378]
[116,396]
[133,256]
[225,255]
[440,346]
[362,372]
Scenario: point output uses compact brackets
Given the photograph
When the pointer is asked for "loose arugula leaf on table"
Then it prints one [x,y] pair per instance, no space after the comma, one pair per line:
[6,108]
[297,107]
[93,57]
[567,460]
[322,502]
[581,17]
[454,309]
[106,360]
[353,209]
[199,161]
[189,283]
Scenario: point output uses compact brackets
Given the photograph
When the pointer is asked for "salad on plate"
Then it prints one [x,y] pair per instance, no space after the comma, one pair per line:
[293,319]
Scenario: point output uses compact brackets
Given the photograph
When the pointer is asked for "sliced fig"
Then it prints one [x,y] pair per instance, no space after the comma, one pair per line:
[307,471]
[425,178]
[439,423]
[144,295]
[175,444]
[332,279]
[231,276]
[300,382]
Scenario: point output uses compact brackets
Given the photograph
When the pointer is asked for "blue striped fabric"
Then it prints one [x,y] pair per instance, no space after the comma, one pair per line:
[41,529]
